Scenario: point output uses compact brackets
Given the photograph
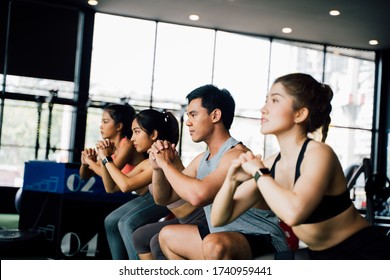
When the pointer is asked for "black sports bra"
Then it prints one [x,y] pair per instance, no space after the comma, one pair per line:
[330,206]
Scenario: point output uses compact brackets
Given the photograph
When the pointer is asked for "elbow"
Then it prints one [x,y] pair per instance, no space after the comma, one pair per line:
[161,202]
[110,188]
[199,200]
[292,220]
[294,214]
[215,222]
[110,191]
[123,187]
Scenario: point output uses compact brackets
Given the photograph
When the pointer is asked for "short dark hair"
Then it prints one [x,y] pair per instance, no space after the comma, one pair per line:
[215,98]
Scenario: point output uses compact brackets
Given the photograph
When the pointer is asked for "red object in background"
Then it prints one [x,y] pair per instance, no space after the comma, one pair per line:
[292,239]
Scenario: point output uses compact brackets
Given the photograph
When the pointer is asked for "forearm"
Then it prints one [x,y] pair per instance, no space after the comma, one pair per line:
[137,179]
[109,184]
[95,167]
[222,208]
[187,187]
[116,176]
[283,202]
[85,172]
[163,193]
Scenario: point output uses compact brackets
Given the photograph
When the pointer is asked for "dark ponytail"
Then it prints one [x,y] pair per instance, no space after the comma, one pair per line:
[172,127]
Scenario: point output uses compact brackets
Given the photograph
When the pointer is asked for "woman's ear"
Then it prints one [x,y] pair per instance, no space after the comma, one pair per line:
[154,135]
[216,115]
[119,126]
[301,115]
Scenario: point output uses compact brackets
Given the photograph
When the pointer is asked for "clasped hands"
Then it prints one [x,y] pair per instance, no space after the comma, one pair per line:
[88,155]
[162,152]
[105,148]
[244,167]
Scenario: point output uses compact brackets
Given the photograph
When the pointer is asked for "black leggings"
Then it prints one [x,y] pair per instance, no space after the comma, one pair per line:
[145,238]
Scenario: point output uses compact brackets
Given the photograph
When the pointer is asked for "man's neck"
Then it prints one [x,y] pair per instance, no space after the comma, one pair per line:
[215,142]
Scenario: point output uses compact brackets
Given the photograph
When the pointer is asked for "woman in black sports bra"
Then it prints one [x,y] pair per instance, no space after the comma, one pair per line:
[304,183]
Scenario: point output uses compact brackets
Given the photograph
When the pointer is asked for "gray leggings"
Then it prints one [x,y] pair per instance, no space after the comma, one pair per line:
[121,223]
[146,237]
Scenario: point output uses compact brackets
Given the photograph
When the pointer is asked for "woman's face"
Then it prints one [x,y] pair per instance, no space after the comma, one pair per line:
[141,140]
[108,129]
[277,115]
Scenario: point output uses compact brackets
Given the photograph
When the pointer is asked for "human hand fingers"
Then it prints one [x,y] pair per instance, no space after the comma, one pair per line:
[99,144]
[251,165]
[153,160]
[166,144]
[157,146]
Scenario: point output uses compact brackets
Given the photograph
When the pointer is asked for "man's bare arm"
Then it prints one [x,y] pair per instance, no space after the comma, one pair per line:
[198,192]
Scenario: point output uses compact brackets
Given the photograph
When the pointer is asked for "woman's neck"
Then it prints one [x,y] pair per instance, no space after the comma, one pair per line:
[116,139]
[290,144]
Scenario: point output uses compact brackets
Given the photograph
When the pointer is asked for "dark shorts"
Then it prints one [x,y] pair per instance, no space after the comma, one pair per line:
[259,244]
[203,231]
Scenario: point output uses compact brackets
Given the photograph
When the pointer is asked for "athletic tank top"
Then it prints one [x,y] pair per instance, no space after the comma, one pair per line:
[254,221]
[330,206]
[128,167]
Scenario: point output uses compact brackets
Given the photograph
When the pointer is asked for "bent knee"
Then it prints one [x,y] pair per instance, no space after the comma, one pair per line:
[215,247]
[140,243]
[111,222]
[165,233]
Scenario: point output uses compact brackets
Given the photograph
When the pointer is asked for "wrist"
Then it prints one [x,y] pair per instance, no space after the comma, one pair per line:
[106,160]
[261,172]
[164,164]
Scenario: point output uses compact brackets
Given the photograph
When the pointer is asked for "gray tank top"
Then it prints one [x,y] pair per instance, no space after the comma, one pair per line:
[254,221]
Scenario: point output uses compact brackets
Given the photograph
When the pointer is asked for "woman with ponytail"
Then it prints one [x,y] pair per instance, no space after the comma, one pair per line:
[148,126]
[304,183]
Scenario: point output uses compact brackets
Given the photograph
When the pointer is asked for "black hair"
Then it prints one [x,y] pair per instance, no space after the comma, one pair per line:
[122,113]
[165,123]
[215,98]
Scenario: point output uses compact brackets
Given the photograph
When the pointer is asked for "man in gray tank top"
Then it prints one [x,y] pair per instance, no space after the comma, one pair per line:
[210,115]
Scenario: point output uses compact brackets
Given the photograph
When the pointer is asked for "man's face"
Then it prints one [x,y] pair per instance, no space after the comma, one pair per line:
[199,122]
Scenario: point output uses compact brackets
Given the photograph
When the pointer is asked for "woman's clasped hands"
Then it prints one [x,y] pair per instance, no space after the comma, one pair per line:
[105,148]
[162,152]
[244,167]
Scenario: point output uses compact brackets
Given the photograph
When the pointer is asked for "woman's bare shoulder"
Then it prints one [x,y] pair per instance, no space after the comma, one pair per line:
[318,149]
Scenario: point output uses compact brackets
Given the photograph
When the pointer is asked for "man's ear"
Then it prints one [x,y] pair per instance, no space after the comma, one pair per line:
[216,115]
[301,115]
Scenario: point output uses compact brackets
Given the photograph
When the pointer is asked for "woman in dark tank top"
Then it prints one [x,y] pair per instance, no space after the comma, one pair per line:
[330,205]
[305,185]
